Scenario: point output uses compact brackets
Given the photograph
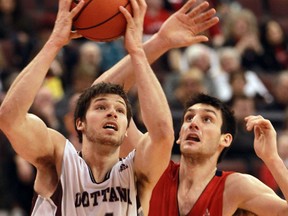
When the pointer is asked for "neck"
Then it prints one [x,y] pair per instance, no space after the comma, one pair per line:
[193,179]
[100,160]
[195,171]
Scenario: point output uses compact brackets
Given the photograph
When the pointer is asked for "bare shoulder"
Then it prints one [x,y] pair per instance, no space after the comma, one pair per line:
[244,184]
[241,178]
[236,183]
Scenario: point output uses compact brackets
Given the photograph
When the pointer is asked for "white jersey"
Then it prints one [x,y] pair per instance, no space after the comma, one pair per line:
[79,194]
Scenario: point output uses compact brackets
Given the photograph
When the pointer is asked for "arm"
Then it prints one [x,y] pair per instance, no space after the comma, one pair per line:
[28,135]
[154,107]
[265,145]
[153,104]
[182,29]
[252,196]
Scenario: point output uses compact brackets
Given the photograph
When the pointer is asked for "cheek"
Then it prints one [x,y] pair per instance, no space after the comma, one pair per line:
[123,122]
[184,127]
[90,118]
[211,132]
[213,135]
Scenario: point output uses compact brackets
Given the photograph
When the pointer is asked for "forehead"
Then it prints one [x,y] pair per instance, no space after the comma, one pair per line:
[111,98]
[204,108]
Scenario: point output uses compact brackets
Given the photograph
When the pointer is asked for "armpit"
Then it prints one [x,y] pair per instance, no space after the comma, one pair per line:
[241,212]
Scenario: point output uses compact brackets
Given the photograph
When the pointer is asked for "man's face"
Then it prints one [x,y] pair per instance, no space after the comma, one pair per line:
[200,133]
[106,121]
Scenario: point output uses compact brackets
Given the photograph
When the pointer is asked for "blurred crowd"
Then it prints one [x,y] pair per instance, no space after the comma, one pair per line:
[245,63]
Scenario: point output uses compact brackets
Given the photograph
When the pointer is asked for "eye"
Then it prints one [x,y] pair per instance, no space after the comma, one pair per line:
[189,117]
[100,107]
[207,119]
[120,110]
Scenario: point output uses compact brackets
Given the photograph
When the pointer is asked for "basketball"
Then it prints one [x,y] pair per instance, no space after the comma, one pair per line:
[101,20]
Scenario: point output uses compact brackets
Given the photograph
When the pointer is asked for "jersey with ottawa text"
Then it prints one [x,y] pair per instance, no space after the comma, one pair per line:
[79,194]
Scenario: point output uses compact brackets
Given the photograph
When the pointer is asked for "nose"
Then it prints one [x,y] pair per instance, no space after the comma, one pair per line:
[112,113]
[194,123]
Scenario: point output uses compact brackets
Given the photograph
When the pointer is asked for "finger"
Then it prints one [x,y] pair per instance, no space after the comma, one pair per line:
[198,10]
[258,132]
[253,121]
[142,4]
[200,38]
[77,8]
[75,35]
[126,14]
[263,126]
[250,121]
[207,24]
[251,117]
[247,118]
[205,16]
[135,7]
[187,6]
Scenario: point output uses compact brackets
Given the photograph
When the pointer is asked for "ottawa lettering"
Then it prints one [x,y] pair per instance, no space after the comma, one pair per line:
[109,194]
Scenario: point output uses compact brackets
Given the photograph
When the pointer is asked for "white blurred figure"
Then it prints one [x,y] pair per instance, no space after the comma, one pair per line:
[230,62]
[205,59]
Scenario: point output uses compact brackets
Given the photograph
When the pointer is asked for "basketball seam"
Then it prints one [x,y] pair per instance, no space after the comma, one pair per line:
[110,18]
[79,13]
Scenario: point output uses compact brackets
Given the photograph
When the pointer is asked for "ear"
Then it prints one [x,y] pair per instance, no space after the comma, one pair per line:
[178,141]
[79,124]
[226,139]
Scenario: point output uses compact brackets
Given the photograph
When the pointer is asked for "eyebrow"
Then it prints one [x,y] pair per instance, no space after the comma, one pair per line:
[203,110]
[104,99]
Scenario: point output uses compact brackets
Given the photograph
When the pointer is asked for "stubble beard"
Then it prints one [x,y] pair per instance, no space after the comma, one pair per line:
[100,139]
[194,156]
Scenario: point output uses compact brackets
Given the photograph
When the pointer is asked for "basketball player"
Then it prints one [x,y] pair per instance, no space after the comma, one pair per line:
[195,186]
[93,181]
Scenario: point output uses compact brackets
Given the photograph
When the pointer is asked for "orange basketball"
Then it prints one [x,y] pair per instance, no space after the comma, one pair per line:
[101,20]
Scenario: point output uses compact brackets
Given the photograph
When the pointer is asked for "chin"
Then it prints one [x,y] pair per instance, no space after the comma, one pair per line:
[187,151]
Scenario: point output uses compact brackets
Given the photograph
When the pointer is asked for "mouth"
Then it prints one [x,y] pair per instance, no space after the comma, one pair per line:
[193,137]
[111,126]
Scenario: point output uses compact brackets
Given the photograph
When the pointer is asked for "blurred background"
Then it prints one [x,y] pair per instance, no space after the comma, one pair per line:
[245,64]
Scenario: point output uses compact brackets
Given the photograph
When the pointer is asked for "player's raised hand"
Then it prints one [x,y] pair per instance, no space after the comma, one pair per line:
[62,33]
[183,28]
[134,29]
[265,140]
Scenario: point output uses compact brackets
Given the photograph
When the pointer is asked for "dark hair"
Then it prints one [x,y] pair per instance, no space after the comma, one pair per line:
[90,93]
[229,121]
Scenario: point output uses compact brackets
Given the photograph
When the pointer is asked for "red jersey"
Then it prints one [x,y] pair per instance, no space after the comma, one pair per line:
[164,197]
